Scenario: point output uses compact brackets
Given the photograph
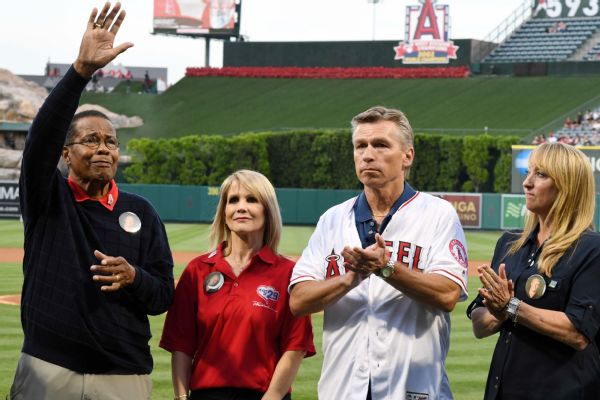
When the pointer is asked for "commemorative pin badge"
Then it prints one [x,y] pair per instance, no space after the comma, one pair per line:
[130,222]
[213,282]
[535,287]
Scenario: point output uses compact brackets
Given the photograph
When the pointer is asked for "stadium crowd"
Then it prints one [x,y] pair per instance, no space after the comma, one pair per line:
[583,130]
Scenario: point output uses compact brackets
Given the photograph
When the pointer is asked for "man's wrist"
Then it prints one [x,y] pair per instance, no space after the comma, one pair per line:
[84,71]
[350,280]
[387,270]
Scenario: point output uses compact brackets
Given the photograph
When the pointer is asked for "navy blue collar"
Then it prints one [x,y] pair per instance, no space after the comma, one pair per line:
[362,211]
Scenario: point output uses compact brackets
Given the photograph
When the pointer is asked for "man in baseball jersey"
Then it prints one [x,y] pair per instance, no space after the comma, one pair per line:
[386,267]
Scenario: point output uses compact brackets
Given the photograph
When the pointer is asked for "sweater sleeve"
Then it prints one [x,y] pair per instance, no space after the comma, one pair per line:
[153,287]
[45,141]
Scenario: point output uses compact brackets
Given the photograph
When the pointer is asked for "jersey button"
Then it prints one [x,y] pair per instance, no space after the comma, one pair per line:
[235,284]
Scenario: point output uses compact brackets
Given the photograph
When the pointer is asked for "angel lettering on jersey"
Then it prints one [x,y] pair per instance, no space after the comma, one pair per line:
[406,253]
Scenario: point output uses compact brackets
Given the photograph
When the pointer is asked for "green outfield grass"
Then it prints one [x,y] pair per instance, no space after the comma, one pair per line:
[206,105]
[11,233]
[12,278]
[467,363]
[194,238]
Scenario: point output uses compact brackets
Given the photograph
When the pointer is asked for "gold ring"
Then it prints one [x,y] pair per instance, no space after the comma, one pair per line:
[118,277]
[98,25]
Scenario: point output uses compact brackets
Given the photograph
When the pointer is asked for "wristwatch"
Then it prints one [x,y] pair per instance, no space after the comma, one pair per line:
[388,269]
[512,309]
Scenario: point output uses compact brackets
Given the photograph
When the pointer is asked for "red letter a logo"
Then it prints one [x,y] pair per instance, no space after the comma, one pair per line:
[427,15]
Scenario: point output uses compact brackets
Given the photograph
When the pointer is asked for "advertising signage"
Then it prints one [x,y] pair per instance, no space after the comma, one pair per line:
[9,200]
[520,157]
[467,206]
[513,211]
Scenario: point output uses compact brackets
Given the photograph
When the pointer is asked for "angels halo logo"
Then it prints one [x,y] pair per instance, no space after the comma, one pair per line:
[426,35]
[459,252]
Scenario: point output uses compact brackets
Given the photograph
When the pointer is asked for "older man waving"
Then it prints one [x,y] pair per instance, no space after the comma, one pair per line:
[97,260]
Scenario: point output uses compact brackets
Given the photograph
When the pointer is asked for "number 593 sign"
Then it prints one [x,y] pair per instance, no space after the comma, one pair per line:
[565,8]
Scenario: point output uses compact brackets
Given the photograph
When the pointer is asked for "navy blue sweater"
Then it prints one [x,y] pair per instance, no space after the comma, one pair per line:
[67,320]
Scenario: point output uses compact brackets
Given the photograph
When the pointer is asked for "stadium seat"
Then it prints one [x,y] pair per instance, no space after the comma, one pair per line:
[542,40]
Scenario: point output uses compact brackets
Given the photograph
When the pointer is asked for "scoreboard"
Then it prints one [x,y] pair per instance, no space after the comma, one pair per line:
[566,8]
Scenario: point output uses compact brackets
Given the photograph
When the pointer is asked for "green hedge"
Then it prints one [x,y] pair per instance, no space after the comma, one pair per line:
[320,159]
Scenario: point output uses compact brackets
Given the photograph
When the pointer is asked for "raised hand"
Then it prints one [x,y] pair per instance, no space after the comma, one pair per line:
[97,45]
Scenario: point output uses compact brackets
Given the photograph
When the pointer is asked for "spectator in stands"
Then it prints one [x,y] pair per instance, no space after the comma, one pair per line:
[548,342]
[90,281]
[230,330]
[561,26]
[566,139]
[551,137]
[579,118]
[557,27]
[147,84]
[568,123]
[538,139]
[587,140]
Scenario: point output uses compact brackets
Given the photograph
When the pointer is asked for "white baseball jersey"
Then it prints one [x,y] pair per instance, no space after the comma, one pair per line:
[375,330]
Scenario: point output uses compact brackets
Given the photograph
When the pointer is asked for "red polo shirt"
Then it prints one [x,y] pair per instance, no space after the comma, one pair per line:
[237,334]
[108,200]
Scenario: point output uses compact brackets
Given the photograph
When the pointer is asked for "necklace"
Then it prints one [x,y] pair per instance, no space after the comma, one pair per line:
[379,216]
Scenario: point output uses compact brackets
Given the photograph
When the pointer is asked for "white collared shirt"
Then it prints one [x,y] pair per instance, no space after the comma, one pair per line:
[375,330]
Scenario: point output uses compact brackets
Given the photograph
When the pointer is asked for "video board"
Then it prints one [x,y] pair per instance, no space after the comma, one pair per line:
[202,18]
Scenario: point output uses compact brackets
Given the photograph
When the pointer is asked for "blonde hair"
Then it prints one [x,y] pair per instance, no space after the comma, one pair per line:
[257,184]
[572,213]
